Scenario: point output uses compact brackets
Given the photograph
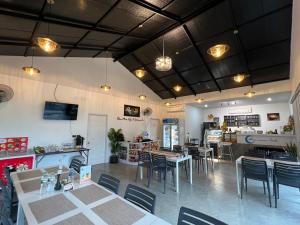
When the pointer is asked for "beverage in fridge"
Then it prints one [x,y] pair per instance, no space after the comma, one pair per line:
[171,133]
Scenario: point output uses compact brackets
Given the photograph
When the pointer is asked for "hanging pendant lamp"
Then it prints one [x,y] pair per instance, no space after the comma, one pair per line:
[46,43]
[105,87]
[163,63]
[31,70]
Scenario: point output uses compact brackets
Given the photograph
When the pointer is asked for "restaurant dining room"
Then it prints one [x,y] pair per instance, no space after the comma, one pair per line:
[149,112]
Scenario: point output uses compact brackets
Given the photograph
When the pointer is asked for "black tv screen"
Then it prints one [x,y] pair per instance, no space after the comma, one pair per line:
[60,111]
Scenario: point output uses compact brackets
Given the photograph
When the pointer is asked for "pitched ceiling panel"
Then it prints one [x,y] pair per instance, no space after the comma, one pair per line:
[275,73]
[269,56]
[196,75]
[187,58]
[270,29]
[212,22]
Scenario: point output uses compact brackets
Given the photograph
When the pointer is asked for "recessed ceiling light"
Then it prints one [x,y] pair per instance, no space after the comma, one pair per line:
[218,50]
[167,103]
[269,99]
[233,103]
[141,25]
[177,52]
[177,88]
[205,106]
[239,78]
[235,31]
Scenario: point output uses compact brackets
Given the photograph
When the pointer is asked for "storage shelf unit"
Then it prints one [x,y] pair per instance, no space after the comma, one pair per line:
[242,120]
[129,150]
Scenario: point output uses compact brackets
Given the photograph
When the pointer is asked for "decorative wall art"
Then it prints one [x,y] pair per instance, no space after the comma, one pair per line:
[133,111]
[273,116]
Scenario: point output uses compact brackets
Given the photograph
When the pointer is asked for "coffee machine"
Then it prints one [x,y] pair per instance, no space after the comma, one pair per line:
[78,141]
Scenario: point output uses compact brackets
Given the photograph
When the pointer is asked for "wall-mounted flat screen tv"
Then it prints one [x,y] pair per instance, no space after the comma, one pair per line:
[60,111]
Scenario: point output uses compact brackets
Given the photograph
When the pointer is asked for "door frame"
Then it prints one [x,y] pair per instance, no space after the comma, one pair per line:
[106,130]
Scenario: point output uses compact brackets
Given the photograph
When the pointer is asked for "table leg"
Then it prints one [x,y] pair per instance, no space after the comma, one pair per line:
[205,155]
[237,178]
[212,158]
[191,170]
[177,177]
[20,215]
[141,172]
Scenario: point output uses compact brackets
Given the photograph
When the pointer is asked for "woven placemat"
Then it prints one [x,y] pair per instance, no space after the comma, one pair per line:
[78,219]
[31,185]
[118,212]
[29,174]
[51,207]
[90,193]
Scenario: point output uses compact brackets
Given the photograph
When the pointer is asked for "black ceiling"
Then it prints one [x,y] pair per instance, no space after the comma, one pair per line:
[89,28]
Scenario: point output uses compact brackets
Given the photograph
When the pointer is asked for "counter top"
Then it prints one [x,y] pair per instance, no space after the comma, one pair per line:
[269,135]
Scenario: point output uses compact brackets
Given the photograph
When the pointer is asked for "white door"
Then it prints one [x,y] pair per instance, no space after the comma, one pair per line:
[96,138]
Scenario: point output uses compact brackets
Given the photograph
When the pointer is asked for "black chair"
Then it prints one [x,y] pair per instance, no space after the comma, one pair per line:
[193,151]
[144,161]
[159,164]
[140,197]
[10,186]
[10,209]
[76,165]
[283,156]
[189,216]
[255,170]
[178,149]
[285,174]
[109,182]
[4,215]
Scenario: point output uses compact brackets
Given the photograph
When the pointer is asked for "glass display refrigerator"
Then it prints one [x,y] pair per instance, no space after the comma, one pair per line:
[170,133]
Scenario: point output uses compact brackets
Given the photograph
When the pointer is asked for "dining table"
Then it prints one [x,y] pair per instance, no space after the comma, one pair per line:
[87,204]
[269,162]
[176,158]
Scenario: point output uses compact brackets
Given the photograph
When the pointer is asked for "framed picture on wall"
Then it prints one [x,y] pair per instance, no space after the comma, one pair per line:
[133,111]
[273,116]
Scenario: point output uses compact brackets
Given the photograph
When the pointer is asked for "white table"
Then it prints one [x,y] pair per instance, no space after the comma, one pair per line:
[26,198]
[270,165]
[177,160]
[206,151]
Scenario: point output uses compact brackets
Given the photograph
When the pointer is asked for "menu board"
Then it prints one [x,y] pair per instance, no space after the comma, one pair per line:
[14,144]
[85,174]
[242,120]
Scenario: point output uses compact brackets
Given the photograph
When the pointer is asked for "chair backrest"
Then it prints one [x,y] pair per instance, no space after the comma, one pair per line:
[140,197]
[193,151]
[256,153]
[177,148]
[109,182]
[283,156]
[76,164]
[10,185]
[255,169]
[287,174]
[159,161]
[188,216]
[144,156]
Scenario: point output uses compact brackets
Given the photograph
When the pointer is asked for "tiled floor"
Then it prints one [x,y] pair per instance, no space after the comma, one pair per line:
[215,195]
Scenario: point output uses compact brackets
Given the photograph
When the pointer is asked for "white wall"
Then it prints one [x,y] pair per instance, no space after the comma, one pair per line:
[22,116]
[262,110]
[193,121]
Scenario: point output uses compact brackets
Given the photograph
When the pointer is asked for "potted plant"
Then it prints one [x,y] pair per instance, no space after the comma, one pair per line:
[115,137]
[291,148]
[288,129]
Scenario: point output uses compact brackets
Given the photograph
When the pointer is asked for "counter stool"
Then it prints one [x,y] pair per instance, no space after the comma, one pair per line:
[226,149]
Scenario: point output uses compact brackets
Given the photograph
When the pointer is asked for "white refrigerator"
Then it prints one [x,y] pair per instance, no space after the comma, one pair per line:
[171,134]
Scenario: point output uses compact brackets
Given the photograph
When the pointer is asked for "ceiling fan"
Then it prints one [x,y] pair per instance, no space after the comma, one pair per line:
[6,93]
